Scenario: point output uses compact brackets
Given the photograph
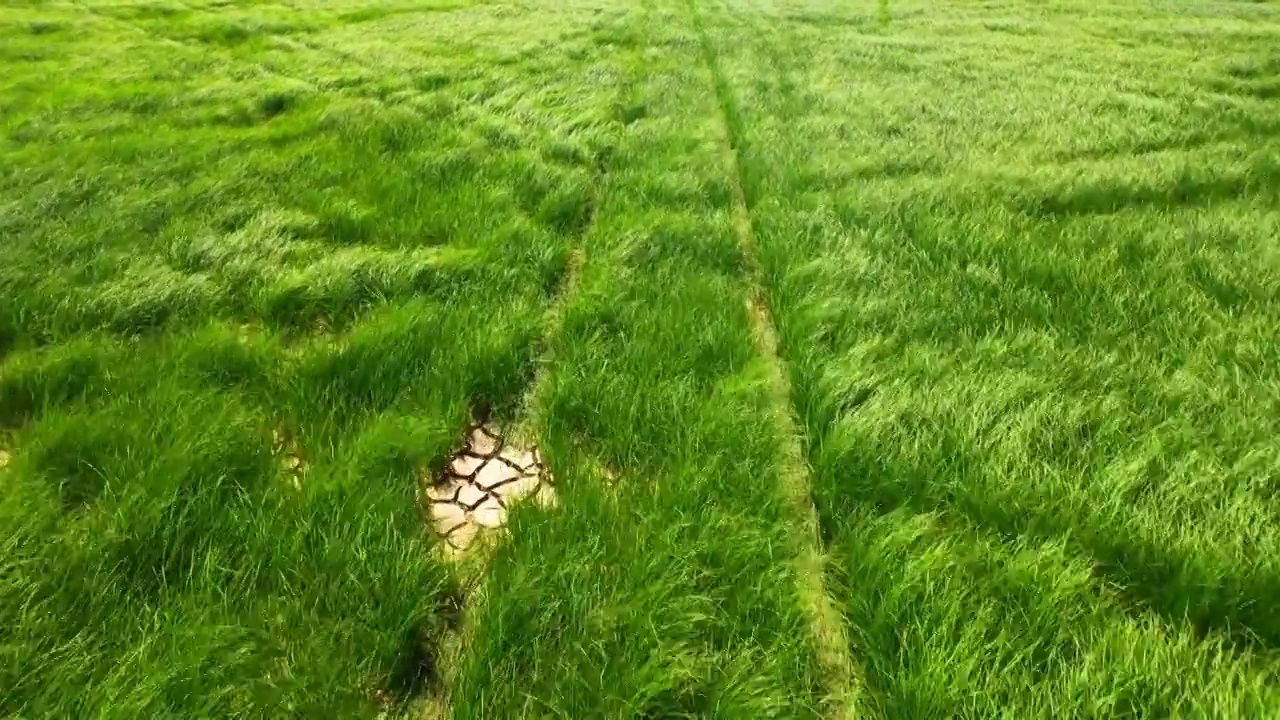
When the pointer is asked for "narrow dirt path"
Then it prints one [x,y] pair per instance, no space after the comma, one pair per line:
[831,642]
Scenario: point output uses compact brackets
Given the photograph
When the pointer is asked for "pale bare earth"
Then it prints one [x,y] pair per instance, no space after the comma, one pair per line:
[480,483]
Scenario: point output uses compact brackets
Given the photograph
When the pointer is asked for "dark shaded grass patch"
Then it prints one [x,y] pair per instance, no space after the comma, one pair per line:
[1191,187]
[1226,602]
[34,382]
[949,622]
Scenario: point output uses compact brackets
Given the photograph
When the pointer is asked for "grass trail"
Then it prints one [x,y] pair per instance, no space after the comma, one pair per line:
[826,624]
[469,568]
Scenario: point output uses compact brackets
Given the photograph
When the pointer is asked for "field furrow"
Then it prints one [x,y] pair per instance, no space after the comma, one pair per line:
[840,675]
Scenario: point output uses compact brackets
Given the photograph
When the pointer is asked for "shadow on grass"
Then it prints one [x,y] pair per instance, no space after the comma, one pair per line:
[1227,602]
[1191,189]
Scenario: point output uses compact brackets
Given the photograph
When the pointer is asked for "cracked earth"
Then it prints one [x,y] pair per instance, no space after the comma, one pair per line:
[481,482]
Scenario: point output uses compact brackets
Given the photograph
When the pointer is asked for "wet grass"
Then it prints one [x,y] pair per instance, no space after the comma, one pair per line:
[259,263]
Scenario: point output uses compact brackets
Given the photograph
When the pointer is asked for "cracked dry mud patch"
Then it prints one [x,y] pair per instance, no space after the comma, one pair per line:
[285,448]
[481,482]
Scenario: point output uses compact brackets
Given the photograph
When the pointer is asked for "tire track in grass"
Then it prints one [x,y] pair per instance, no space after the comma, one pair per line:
[831,641]
[470,567]
[667,589]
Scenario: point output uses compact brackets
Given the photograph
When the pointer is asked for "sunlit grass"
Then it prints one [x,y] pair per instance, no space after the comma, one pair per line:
[259,264]
[1023,262]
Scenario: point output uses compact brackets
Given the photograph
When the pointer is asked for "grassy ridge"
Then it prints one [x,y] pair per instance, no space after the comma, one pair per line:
[1029,340]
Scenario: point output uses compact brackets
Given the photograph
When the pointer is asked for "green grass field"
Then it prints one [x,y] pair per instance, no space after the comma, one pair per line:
[894,359]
